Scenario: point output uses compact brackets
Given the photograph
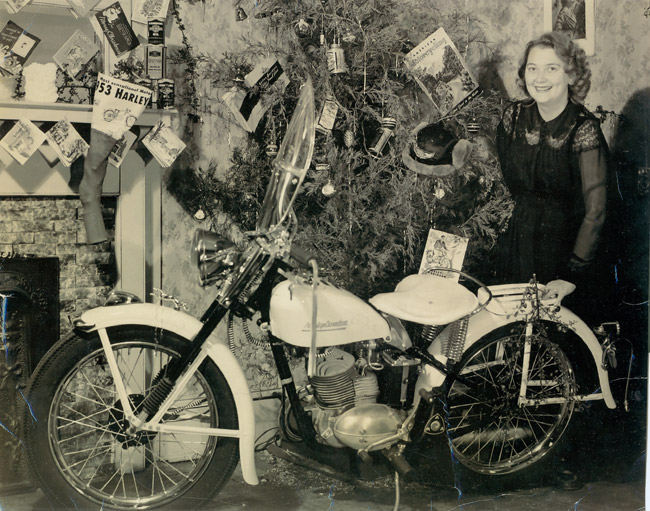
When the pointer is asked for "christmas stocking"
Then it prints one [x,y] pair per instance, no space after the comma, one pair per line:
[90,188]
[116,107]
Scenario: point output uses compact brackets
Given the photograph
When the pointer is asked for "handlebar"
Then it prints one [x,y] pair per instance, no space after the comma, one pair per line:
[301,255]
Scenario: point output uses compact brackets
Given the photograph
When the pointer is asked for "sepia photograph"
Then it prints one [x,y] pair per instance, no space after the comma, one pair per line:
[324,255]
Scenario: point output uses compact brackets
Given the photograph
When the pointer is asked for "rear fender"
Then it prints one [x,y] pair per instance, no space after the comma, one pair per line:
[186,326]
[486,321]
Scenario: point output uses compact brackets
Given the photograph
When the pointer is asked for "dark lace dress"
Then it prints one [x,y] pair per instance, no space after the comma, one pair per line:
[556,172]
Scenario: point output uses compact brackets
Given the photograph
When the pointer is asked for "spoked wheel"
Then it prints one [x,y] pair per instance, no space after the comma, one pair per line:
[490,432]
[79,445]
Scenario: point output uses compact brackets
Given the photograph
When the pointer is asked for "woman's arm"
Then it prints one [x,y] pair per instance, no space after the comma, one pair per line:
[593,173]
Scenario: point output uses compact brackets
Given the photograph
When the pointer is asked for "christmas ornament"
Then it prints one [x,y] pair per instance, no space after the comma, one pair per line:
[327,116]
[240,14]
[473,127]
[349,37]
[200,214]
[348,138]
[302,28]
[336,59]
[383,135]
[439,193]
[328,188]
[271,150]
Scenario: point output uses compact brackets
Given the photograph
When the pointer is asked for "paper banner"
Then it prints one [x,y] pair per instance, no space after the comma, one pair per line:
[117,105]
[163,144]
[22,140]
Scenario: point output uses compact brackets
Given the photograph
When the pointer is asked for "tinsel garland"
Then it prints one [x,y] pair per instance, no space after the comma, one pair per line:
[371,230]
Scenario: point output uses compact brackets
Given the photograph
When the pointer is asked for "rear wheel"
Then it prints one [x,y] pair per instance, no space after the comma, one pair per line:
[78,445]
[490,432]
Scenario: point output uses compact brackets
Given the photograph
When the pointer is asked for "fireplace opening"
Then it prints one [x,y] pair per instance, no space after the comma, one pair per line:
[29,310]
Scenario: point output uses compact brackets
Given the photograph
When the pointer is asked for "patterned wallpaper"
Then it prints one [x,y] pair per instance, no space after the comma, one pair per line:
[620,66]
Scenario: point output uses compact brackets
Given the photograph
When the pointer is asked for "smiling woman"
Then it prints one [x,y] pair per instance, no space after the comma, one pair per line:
[553,157]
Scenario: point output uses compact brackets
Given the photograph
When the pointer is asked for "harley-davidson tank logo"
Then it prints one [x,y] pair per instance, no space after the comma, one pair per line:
[326,326]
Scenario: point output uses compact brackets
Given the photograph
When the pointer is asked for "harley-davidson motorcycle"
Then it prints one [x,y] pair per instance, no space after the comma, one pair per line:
[143,404]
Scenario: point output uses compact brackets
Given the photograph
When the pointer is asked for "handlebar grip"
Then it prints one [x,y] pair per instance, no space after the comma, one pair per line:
[301,255]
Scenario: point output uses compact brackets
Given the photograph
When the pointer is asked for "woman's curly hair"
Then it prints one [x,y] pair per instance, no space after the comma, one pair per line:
[575,63]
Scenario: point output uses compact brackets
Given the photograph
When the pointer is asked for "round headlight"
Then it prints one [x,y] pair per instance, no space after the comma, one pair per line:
[213,255]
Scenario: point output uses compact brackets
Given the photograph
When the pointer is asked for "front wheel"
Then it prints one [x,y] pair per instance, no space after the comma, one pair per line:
[490,431]
[78,446]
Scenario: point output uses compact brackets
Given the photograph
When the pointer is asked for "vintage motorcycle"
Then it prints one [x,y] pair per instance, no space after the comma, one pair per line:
[144,406]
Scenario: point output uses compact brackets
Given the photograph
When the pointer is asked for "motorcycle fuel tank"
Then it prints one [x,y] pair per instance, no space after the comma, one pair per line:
[342,317]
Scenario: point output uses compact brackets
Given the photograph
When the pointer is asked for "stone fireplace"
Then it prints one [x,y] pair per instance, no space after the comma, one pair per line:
[47,276]
[41,217]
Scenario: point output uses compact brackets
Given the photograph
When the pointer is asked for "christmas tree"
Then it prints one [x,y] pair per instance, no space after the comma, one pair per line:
[361,211]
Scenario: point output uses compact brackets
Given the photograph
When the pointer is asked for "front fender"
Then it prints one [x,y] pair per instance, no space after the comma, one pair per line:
[186,326]
[485,322]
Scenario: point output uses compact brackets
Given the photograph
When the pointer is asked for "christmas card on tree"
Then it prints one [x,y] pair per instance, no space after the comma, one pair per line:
[443,250]
[22,140]
[249,106]
[75,53]
[16,45]
[66,142]
[81,8]
[145,9]
[118,153]
[163,143]
[117,29]
[441,72]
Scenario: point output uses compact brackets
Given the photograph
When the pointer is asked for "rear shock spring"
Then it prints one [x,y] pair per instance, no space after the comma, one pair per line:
[453,348]
[429,333]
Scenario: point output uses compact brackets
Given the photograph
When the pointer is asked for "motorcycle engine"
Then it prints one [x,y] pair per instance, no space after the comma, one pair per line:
[343,402]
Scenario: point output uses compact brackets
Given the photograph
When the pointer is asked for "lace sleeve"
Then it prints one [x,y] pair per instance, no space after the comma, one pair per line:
[593,170]
[508,118]
[588,136]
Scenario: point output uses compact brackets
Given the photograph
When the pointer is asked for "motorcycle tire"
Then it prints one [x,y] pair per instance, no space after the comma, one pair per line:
[77,445]
[489,432]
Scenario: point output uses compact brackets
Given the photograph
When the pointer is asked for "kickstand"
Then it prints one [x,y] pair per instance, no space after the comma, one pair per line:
[396,507]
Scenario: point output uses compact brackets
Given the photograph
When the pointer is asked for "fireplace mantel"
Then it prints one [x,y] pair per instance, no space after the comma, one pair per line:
[13,110]
[137,185]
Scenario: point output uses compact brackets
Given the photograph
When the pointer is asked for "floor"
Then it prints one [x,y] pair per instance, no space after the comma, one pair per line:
[605,450]
[328,494]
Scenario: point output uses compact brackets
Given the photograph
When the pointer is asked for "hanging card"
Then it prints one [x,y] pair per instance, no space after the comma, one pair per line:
[16,45]
[440,71]
[117,29]
[163,144]
[75,53]
[81,8]
[443,250]
[66,142]
[22,140]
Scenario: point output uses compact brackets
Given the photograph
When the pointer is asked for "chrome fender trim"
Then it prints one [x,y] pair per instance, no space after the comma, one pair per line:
[186,326]
[485,322]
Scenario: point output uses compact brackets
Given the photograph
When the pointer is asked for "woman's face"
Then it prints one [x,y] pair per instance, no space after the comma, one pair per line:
[546,80]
